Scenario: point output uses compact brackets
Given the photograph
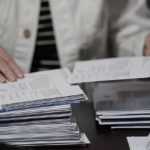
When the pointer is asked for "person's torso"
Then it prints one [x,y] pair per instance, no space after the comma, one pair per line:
[80,27]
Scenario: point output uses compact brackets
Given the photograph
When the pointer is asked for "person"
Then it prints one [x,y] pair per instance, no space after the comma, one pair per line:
[48,34]
[133,30]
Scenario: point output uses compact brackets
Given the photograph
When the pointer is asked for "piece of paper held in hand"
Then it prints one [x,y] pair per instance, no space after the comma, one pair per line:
[111,69]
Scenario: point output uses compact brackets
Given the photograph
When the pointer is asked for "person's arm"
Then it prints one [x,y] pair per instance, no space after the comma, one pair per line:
[133,29]
[9,70]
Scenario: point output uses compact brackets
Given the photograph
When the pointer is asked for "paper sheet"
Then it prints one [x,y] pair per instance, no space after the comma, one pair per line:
[138,143]
[111,69]
[123,103]
[38,86]
[130,97]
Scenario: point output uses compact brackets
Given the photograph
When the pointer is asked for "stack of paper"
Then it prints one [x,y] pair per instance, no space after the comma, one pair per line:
[36,110]
[123,104]
[38,89]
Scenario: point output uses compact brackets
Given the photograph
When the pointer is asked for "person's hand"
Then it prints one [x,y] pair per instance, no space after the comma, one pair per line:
[146,51]
[9,70]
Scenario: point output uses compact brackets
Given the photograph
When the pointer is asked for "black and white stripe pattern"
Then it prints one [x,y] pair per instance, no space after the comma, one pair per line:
[45,56]
[148,3]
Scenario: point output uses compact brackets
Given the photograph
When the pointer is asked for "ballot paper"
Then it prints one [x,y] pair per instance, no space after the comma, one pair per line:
[139,142]
[123,104]
[36,110]
[41,126]
[132,126]
[130,97]
[124,121]
[111,69]
[38,89]
[52,112]
[82,141]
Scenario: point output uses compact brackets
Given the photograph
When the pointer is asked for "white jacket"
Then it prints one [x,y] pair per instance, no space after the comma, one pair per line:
[80,29]
[132,28]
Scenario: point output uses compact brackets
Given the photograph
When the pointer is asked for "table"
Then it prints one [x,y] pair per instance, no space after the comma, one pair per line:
[101,138]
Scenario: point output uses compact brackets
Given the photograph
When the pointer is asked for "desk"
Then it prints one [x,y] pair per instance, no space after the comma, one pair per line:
[102,138]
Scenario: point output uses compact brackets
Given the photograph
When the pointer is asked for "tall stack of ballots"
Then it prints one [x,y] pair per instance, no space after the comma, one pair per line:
[122,91]
[36,110]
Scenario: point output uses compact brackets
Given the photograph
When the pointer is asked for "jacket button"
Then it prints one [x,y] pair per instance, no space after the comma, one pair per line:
[27,33]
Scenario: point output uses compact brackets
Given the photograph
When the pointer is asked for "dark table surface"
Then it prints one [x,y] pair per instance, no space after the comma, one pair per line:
[101,138]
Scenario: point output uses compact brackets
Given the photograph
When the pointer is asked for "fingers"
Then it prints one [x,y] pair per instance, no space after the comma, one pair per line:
[16,69]
[9,69]
[6,71]
[2,79]
[146,51]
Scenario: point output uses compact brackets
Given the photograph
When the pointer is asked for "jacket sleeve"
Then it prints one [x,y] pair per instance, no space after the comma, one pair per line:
[132,29]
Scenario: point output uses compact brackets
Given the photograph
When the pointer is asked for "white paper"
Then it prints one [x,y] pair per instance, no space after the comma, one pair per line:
[122,122]
[124,103]
[39,86]
[130,97]
[130,127]
[138,143]
[49,142]
[123,116]
[111,69]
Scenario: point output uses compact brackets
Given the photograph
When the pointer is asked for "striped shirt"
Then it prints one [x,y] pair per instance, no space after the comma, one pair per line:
[148,3]
[45,56]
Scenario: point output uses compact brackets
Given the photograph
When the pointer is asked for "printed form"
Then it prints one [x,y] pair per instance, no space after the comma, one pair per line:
[38,86]
[111,69]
